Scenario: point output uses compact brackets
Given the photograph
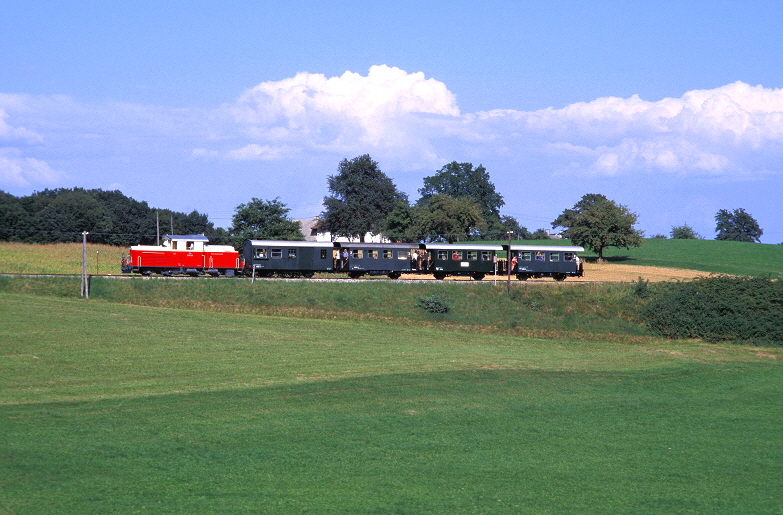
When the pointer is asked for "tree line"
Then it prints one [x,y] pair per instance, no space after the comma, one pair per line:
[457,203]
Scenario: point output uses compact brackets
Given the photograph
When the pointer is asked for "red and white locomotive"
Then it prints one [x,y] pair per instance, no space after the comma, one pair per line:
[188,254]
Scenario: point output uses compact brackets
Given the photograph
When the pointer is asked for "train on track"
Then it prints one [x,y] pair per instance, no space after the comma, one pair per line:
[192,254]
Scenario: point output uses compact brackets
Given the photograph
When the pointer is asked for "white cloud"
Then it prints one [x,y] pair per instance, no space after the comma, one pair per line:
[387,111]
[705,132]
[16,134]
[25,171]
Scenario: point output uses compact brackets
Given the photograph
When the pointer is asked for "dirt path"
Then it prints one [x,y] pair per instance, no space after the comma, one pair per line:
[609,272]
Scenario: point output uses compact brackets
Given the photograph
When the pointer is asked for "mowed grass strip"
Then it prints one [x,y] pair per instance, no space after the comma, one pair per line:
[125,409]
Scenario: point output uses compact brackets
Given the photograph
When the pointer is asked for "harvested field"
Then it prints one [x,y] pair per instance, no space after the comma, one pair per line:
[606,272]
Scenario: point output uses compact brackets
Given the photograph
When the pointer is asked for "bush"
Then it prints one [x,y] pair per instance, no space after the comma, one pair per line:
[435,304]
[719,308]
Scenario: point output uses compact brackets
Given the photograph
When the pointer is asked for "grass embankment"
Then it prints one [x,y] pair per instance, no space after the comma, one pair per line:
[605,312]
[108,408]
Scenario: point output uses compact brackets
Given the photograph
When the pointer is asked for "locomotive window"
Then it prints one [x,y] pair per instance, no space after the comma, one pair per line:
[568,256]
[387,254]
[443,255]
[524,256]
[189,245]
[554,256]
[486,255]
[472,255]
[402,254]
[292,253]
[372,253]
[357,253]
[260,253]
[323,253]
[174,245]
[277,253]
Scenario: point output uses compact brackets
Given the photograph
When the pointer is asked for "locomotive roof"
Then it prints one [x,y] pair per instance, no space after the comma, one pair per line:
[547,248]
[191,237]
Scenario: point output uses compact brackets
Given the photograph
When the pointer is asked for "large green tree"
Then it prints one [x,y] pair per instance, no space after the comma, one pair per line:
[462,180]
[737,225]
[263,220]
[448,218]
[361,198]
[596,222]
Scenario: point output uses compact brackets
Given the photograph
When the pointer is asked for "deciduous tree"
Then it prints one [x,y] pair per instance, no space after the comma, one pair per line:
[263,220]
[361,198]
[448,218]
[596,222]
[737,225]
[462,180]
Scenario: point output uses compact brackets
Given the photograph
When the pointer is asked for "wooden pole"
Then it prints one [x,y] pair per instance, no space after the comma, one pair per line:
[508,264]
[85,288]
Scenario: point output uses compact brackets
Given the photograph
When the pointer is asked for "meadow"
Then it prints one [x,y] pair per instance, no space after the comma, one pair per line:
[111,408]
[225,396]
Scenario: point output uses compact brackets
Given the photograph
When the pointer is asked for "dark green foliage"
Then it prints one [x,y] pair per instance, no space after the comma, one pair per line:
[435,304]
[462,180]
[684,232]
[263,220]
[720,308]
[737,225]
[448,218]
[596,222]
[361,198]
[111,218]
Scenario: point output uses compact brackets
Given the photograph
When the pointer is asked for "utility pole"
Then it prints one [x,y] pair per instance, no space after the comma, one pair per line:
[85,288]
[508,264]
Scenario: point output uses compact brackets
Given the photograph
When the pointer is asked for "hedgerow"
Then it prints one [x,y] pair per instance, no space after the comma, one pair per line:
[745,310]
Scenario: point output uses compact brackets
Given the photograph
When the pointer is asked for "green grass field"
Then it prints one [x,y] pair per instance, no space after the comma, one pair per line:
[109,408]
[723,257]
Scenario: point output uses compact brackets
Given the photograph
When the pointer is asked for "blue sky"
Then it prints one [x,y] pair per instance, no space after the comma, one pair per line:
[674,109]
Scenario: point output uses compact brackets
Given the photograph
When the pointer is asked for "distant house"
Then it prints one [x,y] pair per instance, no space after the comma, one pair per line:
[311,232]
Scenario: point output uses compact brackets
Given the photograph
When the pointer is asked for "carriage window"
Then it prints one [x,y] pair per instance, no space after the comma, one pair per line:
[554,256]
[539,256]
[372,254]
[456,255]
[568,256]
[357,253]
[443,255]
[402,254]
[323,253]
[472,255]
[387,254]
[486,255]
[277,253]
[524,256]
[260,253]
[292,253]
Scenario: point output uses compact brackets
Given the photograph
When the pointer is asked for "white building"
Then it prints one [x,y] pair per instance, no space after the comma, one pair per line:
[311,232]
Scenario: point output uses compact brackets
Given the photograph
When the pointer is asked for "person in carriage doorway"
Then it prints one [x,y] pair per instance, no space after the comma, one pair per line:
[514,262]
[415,261]
[346,256]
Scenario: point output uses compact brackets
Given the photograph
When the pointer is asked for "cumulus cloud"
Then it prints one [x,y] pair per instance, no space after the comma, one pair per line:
[704,132]
[386,110]
[25,171]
